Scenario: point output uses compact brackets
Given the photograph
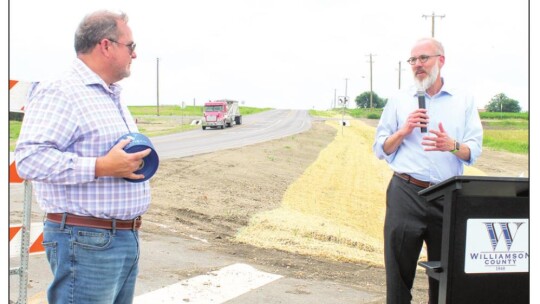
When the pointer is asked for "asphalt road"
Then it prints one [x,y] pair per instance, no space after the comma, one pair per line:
[180,270]
[254,129]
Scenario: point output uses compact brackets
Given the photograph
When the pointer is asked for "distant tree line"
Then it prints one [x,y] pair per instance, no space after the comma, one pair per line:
[499,102]
[370,100]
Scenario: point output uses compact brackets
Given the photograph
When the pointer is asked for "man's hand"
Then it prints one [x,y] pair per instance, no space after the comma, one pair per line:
[439,142]
[417,119]
[119,163]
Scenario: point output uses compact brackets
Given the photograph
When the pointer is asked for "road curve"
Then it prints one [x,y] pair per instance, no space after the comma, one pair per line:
[254,129]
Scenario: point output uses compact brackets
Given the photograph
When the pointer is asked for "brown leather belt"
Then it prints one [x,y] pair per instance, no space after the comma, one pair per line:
[94,222]
[413,180]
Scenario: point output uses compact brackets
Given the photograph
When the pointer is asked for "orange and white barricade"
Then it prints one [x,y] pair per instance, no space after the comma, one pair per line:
[20,235]
[35,240]
[17,94]
[16,231]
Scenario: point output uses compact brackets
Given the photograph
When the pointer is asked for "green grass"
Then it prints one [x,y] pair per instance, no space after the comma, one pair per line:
[507,124]
[166,110]
[502,131]
[365,113]
[151,125]
[511,133]
[186,111]
[515,141]
[356,113]
[329,113]
[252,110]
[504,115]
[14,130]
[506,131]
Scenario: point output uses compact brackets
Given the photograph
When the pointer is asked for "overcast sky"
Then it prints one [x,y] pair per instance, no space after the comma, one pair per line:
[284,53]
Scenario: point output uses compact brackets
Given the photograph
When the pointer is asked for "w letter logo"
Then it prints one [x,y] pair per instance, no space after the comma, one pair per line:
[504,231]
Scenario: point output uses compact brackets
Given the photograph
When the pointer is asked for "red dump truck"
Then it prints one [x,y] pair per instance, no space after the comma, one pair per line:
[221,114]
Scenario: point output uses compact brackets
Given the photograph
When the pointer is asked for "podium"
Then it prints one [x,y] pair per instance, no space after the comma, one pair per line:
[485,240]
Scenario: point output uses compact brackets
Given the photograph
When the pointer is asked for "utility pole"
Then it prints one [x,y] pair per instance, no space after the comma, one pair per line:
[371,81]
[345,99]
[346,79]
[399,75]
[182,113]
[157,85]
[433,22]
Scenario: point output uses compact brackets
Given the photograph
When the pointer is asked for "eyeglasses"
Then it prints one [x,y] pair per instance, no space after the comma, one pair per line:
[422,58]
[130,46]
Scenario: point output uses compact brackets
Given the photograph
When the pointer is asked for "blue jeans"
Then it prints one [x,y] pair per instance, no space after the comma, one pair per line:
[91,265]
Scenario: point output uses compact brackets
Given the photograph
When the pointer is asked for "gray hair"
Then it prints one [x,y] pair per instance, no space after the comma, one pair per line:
[97,26]
[435,42]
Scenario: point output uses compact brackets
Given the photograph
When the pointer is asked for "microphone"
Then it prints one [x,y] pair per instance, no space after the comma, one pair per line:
[422,105]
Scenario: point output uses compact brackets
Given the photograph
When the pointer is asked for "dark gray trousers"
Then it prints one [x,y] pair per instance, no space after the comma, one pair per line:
[410,220]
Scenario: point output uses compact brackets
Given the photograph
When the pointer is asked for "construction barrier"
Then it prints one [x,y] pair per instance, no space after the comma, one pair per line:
[14,177]
[23,231]
[35,241]
[17,94]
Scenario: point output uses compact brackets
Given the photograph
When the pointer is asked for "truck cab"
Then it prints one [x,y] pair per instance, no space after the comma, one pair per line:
[221,114]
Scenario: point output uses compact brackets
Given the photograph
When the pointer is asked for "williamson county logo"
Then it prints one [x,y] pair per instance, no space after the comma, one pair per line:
[497,245]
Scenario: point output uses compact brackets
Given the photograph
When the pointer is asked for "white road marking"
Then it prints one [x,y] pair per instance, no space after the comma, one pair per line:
[215,287]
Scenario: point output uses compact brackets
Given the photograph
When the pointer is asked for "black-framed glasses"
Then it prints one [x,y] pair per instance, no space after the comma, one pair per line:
[422,58]
[130,46]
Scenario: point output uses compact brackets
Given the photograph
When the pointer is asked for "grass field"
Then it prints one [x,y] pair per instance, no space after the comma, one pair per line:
[502,131]
[510,135]
[179,111]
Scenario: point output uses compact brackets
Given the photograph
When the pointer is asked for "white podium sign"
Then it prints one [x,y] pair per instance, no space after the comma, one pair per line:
[497,245]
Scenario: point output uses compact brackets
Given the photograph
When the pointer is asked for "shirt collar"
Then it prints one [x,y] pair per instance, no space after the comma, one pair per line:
[89,77]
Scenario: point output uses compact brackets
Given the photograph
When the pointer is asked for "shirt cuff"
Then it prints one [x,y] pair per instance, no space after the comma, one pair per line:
[87,168]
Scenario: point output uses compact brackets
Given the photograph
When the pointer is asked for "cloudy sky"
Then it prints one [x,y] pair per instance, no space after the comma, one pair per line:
[284,53]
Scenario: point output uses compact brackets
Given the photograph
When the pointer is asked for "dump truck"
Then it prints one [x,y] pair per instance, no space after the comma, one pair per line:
[221,114]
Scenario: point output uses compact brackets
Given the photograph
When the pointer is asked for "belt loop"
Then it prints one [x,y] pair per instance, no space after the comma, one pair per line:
[134,223]
[63,223]
[114,226]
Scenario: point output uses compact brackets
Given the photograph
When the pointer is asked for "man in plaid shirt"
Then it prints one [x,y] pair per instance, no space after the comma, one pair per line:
[68,148]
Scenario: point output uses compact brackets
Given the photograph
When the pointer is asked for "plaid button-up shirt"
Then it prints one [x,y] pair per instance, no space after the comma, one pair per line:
[68,123]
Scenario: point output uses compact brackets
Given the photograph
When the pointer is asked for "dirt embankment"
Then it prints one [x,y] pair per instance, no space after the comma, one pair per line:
[214,195]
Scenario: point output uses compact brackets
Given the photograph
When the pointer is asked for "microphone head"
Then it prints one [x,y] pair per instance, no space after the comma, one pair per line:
[421,93]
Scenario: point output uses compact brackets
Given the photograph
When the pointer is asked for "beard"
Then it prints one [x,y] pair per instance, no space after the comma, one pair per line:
[427,82]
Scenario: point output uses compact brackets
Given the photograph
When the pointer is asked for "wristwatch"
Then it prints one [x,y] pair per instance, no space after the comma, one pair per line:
[457,145]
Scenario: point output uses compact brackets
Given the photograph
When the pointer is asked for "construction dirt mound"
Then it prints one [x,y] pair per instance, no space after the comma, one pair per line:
[312,202]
